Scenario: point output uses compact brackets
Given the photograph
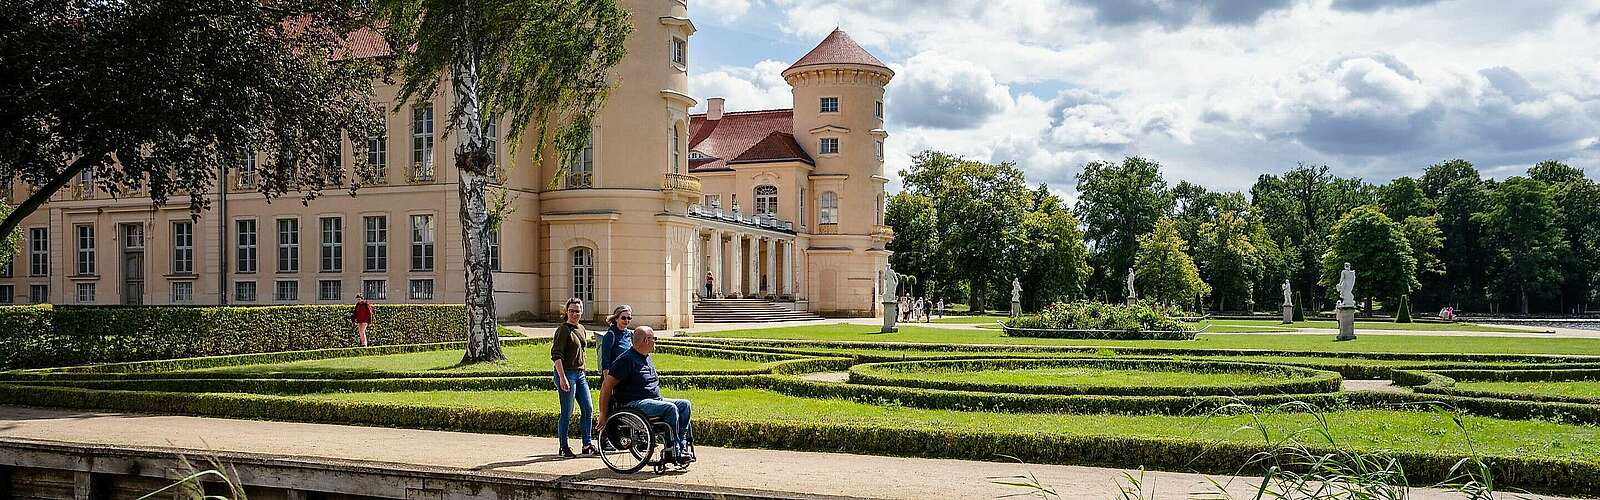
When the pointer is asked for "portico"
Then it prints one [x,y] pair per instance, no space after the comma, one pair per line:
[747,256]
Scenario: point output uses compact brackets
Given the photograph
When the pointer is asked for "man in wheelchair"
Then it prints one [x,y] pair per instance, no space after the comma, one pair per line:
[632,383]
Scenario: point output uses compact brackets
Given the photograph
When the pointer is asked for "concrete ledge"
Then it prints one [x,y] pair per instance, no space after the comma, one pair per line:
[103,466]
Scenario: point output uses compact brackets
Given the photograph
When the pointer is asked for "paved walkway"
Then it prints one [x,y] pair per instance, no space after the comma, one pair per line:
[820,474]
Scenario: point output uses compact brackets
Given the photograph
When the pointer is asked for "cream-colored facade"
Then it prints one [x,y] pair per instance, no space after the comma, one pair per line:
[628,225]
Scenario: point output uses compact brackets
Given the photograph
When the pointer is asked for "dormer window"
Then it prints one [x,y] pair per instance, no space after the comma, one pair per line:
[680,52]
[828,146]
[830,105]
[696,155]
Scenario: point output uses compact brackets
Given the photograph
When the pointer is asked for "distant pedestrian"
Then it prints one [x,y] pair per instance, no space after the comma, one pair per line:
[927,313]
[362,316]
[941,308]
[566,353]
[916,309]
[710,282]
[618,337]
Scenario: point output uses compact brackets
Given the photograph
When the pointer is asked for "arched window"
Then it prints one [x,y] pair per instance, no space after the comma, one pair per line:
[677,152]
[583,274]
[767,199]
[829,214]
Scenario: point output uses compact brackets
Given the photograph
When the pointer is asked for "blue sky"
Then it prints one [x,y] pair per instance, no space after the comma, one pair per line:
[1217,91]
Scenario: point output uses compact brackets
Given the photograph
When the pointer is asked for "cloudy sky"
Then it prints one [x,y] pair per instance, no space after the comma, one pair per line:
[1218,91]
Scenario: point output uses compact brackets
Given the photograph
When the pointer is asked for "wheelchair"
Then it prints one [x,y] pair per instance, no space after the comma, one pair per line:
[630,440]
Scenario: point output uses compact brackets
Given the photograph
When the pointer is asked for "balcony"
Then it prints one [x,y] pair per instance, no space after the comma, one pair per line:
[681,186]
[882,232]
[422,172]
[828,228]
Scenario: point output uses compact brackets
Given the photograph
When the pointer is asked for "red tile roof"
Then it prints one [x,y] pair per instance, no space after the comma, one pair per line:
[837,48]
[362,44]
[744,137]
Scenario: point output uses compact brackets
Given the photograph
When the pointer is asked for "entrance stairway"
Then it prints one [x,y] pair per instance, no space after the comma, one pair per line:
[746,311]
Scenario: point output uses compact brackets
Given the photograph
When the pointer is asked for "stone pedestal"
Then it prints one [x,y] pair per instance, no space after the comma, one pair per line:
[891,312]
[1288,314]
[1347,322]
[1016,309]
[1133,300]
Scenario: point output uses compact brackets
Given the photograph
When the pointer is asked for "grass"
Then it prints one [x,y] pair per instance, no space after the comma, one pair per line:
[521,358]
[1084,376]
[1362,429]
[1571,388]
[969,320]
[1365,325]
[1371,343]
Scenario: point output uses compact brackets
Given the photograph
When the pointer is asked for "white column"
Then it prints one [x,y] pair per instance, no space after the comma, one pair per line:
[788,268]
[716,264]
[735,272]
[771,265]
[755,266]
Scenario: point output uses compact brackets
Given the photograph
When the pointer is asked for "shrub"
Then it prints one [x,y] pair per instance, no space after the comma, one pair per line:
[20,328]
[1101,317]
[110,334]
[1404,315]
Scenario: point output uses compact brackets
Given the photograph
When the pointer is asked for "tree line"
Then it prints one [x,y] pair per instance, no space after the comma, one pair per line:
[1523,244]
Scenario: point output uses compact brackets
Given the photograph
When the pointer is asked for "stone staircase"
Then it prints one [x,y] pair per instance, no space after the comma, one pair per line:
[746,311]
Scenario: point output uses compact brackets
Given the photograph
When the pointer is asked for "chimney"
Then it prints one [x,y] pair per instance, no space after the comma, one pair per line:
[714,108]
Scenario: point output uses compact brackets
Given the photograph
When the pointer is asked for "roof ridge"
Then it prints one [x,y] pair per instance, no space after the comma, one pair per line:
[749,112]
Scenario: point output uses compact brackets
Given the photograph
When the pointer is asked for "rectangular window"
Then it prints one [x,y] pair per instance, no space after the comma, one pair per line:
[375,289]
[828,146]
[830,105]
[182,248]
[878,110]
[332,244]
[247,169]
[330,290]
[85,249]
[421,290]
[85,293]
[877,150]
[286,290]
[680,51]
[803,215]
[494,249]
[8,294]
[39,251]
[378,152]
[376,256]
[182,292]
[38,294]
[422,142]
[288,245]
[580,174]
[245,231]
[244,291]
[422,243]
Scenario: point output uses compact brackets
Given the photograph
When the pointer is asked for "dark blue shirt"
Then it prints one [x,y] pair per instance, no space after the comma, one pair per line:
[636,378]
[612,344]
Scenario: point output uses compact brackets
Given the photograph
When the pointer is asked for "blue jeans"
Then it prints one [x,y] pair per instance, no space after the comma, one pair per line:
[674,411]
[580,388]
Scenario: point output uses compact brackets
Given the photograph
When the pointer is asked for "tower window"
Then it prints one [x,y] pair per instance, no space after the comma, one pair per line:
[680,52]
[830,105]
[828,146]
[878,112]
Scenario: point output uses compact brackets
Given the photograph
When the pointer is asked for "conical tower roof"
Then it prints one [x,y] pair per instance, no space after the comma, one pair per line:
[837,48]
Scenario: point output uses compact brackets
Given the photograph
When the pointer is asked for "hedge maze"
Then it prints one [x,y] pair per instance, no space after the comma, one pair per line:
[1168,407]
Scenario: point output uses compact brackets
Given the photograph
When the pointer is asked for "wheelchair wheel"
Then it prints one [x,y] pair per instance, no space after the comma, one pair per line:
[627,443]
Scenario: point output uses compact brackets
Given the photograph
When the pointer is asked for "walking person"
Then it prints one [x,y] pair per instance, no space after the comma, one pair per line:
[618,337]
[362,315]
[566,355]
[710,288]
[941,308]
[927,313]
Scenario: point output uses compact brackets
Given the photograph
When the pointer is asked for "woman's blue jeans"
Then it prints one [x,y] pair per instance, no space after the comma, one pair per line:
[580,388]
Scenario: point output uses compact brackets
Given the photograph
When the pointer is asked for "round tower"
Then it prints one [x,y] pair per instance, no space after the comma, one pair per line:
[838,119]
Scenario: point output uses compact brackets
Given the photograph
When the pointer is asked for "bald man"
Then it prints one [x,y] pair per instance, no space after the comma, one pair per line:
[633,381]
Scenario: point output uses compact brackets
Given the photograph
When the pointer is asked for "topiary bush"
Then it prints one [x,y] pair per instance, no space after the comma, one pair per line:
[77,335]
[1404,314]
[1100,320]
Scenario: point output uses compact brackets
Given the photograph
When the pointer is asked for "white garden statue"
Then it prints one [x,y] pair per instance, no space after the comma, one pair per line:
[1016,290]
[1287,296]
[1347,286]
[888,285]
[1132,293]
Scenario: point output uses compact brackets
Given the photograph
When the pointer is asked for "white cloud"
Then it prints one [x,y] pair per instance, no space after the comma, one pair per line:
[933,90]
[758,87]
[726,11]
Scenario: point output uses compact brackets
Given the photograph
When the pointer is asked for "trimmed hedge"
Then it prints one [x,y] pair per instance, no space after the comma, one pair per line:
[1032,447]
[1443,382]
[1098,316]
[205,362]
[1293,380]
[79,335]
[21,326]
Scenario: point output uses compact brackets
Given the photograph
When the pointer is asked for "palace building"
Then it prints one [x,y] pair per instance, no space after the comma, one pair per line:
[784,205]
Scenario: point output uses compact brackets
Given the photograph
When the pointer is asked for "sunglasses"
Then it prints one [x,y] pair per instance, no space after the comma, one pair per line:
[625,318]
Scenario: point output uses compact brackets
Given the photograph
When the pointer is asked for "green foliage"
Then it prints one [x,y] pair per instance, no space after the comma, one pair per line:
[1117,203]
[1402,198]
[154,95]
[110,334]
[1377,249]
[20,327]
[1404,315]
[916,236]
[1299,309]
[11,242]
[1055,260]
[1233,251]
[1084,315]
[1522,223]
[1297,208]
[1165,271]
[976,210]
[1278,380]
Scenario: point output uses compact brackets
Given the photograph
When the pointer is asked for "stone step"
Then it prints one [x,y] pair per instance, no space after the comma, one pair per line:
[746,310]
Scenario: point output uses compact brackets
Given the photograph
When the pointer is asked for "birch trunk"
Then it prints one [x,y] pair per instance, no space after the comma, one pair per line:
[472,165]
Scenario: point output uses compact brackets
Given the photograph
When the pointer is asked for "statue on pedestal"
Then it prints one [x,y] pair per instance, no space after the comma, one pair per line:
[1016,298]
[1288,299]
[1133,294]
[888,284]
[1347,286]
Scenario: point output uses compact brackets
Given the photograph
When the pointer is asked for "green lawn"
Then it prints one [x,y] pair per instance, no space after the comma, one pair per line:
[1372,343]
[1363,429]
[1080,376]
[1364,325]
[1573,388]
[520,358]
[969,320]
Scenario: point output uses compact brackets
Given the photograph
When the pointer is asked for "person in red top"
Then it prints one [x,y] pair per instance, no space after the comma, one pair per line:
[362,317]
